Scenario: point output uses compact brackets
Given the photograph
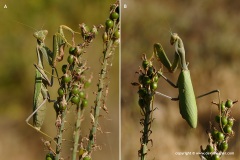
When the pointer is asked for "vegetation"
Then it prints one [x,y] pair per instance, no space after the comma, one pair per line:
[213,61]
[70,92]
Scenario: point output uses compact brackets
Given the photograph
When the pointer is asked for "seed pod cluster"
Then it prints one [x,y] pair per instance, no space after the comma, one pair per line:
[112,31]
[73,82]
[219,136]
[88,34]
[147,84]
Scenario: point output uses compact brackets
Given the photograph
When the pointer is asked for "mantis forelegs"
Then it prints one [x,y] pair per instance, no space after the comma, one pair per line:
[162,57]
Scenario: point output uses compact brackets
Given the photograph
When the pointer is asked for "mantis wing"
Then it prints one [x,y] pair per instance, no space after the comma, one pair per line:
[187,100]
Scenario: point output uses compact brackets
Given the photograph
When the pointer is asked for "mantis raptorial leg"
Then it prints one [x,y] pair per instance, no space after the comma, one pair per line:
[41,94]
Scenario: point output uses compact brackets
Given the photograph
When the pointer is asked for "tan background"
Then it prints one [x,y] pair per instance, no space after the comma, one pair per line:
[17,55]
[210,32]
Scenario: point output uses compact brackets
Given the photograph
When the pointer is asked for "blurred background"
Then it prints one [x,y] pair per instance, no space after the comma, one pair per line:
[210,32]
[18,23]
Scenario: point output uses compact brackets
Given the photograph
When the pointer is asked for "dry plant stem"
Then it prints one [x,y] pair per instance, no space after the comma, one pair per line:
[97,104]
[146,129]
[77,132]
[109,46]
[103,73]
[60,136]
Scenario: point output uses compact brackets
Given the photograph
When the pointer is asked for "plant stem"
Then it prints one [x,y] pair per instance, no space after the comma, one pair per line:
[60,135]
[77,131]
[98,101]
[109,46]
[146,129]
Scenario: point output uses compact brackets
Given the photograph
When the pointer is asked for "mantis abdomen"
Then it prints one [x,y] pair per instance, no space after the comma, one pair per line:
[187,100]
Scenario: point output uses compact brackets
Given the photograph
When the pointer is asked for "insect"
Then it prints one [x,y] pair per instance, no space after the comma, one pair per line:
[41,94]
[186,98]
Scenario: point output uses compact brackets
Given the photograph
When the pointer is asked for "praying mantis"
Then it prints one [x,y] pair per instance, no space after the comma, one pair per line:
[41,94]
[186,98]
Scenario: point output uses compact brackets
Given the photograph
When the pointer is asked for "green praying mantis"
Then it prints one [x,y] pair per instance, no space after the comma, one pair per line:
[41,94]
[186,98]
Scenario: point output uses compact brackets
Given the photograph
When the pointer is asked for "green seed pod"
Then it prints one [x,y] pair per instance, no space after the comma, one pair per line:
[84,103]
[227,129]
[70,59]
[214,134]
[114,16]
[62,106]
[109,23]
[229,103]
[145,64]
[224,120]
[87,158]
[75,90]
[155,78]
[66,78]
[222,106]
[81,94]
[60,92]
[215,157]
[49,156]
[220,136]
[153,85]
[72,50]
[223,146]
[87,84]
[116,34]
[75,99]
[209,148]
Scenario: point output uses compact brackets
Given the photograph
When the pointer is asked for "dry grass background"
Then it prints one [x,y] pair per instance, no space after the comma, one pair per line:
[210,32]
[17,51]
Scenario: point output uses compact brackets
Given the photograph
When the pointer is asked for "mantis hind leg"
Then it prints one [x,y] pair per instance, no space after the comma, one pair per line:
[34,112]
[211,92]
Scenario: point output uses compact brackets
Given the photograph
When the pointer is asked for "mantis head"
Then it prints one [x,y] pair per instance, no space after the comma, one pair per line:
[40,35]
[174,38]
